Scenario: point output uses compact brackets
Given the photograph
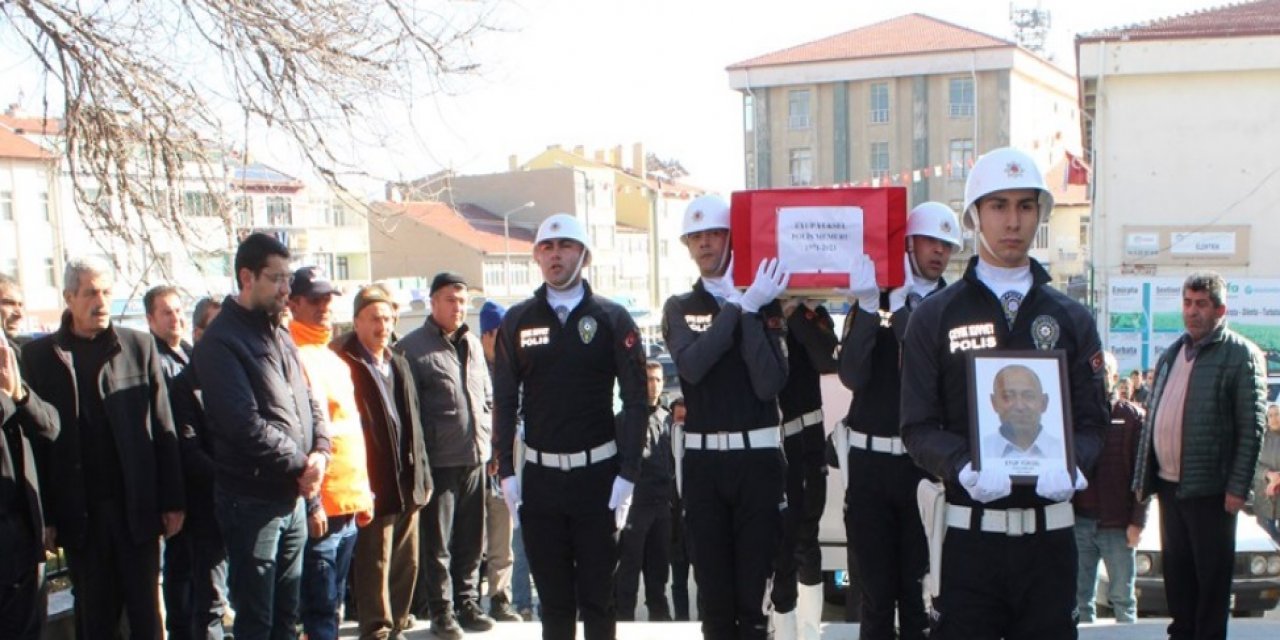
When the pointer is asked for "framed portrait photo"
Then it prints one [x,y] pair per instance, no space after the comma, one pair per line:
[1020,413]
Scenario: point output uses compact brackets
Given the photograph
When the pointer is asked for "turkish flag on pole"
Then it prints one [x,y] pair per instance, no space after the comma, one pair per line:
[1077,170]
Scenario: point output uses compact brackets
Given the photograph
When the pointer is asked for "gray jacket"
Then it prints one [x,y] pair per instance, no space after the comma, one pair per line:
[457,414]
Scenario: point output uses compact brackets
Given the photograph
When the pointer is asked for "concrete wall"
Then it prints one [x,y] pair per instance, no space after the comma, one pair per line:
[1185,135]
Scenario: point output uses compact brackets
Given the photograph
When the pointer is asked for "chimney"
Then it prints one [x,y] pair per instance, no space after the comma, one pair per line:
[600,156]
[513,162]
[579,151]
[615,156]
[637,160]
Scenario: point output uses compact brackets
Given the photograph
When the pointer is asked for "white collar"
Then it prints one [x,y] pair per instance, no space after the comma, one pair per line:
[568,298]
[923,285]
[1001,280]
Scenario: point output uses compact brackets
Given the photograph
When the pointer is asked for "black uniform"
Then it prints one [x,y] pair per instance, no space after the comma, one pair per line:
[646,541]
[732,365]
[995,584]
[811,348]
[25,427]
[881,520]
[560,379]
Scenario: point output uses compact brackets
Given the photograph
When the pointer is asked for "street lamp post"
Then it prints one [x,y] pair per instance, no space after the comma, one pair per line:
[506,242]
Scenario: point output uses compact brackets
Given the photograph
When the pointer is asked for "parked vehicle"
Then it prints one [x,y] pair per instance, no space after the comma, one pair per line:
[1255,585]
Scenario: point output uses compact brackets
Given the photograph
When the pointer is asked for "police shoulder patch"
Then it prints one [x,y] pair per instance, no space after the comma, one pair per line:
[1096,361]
[631,339]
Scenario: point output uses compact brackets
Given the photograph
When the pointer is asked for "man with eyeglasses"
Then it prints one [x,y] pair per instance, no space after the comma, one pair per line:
[270,438]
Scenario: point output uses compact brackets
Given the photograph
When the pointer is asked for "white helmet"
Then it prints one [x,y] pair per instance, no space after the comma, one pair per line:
[705,213]
[999,170]
[563,226]
[935,220]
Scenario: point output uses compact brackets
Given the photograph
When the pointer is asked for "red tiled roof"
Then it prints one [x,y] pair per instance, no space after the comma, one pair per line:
[461,228]
[13,145]
[1244,19]
[905,35]
[48,126]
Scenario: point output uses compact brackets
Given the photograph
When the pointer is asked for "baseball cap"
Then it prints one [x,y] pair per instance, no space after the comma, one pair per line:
[311,281]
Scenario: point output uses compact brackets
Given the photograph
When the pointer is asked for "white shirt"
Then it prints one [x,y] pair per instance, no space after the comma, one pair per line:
[1001,280]
[569,298]
[1045,446]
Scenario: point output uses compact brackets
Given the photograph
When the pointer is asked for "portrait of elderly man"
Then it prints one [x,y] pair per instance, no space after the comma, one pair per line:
[1019,399]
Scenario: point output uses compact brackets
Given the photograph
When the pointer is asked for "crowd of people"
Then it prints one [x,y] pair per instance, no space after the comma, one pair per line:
[297,477]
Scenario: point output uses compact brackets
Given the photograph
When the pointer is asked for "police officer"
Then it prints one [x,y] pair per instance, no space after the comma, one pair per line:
[558,356]
[886,541]
[729,350]
[797,580]
[1009,556]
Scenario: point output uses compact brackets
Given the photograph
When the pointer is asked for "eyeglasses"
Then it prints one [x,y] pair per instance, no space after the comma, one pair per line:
[278,278]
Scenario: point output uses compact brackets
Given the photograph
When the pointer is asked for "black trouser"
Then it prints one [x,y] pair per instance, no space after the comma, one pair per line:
[571,540]
[195,580]
[799,557]
[451,541]
[886,543]
[1198,547]
[645,544]
[1013,587]
[111,573]
[22,597]
[681,556]
[732,504]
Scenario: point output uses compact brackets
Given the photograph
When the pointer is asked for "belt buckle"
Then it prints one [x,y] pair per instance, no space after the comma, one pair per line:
[562,461]
[1020,522]
[722,440]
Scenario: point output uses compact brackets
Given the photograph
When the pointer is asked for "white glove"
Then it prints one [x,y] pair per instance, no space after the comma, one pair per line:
[620,500]
[771,280]
[862,284]
[1056,485]
[723,288]
[898,297]
[511,494]
[987,485]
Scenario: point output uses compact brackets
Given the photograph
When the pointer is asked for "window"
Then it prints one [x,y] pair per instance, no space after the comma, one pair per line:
[50,273]
[1084,232]
[519,275]
[801,167]
[664,248]
[341,268]
[961,158]
[199,205]
[244,211]
[44,207]
[798,109]
[1041,240]
[879,103]
[280,212]
[748,113]
[494,274]
[6,205]
[962,97]
[880,160]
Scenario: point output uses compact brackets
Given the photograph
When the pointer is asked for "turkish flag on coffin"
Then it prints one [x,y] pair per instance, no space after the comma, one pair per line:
[819,233]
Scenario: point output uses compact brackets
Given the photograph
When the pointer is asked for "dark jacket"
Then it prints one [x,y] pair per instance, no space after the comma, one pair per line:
[560,380]
[967,316]
[1222,421]
[136,403]
[259,409]
[399,471]
[457,418]
[196,444]
[1268,461]
[657,477]
[1108,498]
[173,361]
[22,422]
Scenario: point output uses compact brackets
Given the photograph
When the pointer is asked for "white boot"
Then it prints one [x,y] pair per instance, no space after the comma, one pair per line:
[809,612]
[784,625]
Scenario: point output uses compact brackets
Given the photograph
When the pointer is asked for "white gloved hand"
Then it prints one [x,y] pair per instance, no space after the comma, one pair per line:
[987,485]
[620,500]
[863,289]
[511,494]
[898,297]
[771,280]
[1056,485]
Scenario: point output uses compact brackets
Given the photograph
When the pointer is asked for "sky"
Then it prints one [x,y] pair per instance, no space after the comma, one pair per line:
[600,73]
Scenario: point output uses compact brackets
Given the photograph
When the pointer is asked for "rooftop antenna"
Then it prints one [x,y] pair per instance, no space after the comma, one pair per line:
[1031,28]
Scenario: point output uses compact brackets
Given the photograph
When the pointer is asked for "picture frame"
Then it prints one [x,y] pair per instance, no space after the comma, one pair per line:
[1024,431]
